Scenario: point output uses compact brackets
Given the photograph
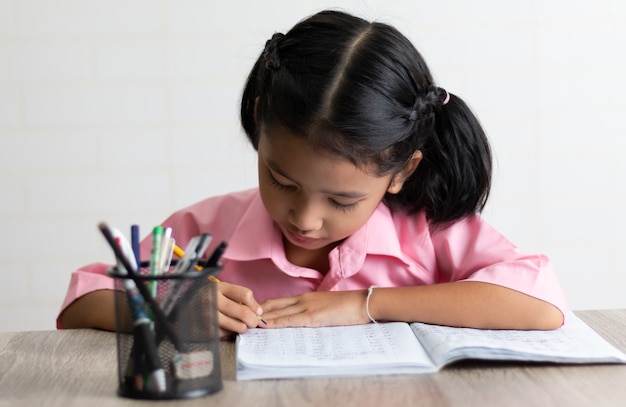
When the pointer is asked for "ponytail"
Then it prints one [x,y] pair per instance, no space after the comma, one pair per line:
[453,179]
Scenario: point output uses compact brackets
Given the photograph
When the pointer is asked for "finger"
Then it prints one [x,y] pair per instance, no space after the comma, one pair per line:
[233,315]
[283,312]
[279,303]
[231,325]
[241,295]
[299,319]
[225,335]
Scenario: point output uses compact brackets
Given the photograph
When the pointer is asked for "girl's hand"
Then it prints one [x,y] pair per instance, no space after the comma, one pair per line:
[237,309]
[314,309]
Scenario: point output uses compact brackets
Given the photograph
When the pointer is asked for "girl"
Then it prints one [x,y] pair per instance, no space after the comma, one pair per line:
[370,181]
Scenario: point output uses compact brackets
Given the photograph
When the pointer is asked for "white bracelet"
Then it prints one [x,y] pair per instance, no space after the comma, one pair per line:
[367,303]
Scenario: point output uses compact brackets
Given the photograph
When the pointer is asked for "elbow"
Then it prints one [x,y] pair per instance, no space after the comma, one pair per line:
[553,318]
[546,318]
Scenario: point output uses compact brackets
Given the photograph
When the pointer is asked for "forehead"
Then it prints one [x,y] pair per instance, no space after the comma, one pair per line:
[294,157]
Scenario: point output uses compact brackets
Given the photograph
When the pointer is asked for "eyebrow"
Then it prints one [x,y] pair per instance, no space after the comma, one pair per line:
[346,194]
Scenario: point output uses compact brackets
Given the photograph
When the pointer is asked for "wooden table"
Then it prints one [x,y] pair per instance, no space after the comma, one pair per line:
[79,368]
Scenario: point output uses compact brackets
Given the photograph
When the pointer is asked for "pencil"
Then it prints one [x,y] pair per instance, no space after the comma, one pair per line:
[212,262]
[180,253]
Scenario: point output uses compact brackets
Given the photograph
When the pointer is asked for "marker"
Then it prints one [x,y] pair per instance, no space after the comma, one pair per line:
[165,255]
[196,246]
[170,252]
[131,269]
[211,261]
[157,236]
[142,331]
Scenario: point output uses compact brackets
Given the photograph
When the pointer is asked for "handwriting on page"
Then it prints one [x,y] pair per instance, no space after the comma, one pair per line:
[444,337]
[318,346]
[574,340]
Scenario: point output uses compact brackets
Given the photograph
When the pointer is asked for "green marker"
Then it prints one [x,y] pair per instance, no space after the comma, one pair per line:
[157,236]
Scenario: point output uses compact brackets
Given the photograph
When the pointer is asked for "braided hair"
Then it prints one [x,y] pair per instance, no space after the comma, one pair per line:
[360,90]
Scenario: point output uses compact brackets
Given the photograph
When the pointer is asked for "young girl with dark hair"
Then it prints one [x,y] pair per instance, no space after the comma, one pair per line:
[371,178]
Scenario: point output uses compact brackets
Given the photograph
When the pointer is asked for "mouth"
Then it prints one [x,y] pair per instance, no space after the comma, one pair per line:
[300,240]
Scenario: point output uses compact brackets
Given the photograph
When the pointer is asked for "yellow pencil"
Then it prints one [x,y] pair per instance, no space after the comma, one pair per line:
[180,253]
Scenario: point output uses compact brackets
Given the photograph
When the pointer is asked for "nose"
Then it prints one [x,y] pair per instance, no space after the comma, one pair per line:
[305,217]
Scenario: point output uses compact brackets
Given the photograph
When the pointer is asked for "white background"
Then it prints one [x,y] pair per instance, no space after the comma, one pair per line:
[124,111]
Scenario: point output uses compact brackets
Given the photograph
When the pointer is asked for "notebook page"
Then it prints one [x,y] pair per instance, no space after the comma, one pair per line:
[575,342]
[358,345]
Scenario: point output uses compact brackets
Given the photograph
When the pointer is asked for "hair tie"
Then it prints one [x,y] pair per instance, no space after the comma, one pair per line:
[447,99]
[426,104]
[272,61]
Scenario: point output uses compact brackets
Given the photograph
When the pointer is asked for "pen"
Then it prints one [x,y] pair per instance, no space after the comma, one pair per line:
[214,260]
[156,378]
[211,261]
[143,340]
[134,241]
[147,298]
[136,305]
[189,260]
[180,253]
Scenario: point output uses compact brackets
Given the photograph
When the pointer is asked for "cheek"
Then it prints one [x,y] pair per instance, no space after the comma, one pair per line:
[274,202]
[343,224]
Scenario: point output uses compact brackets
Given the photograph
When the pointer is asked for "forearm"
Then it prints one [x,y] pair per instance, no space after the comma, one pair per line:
[464,304]
[94,310]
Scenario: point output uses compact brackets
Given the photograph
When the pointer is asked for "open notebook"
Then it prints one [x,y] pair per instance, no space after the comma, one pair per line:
[398,347]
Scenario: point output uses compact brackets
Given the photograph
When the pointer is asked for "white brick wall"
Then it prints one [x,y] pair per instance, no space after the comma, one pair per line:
[108,106]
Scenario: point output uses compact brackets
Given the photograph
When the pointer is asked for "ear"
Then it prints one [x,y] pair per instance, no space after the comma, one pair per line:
[397,182]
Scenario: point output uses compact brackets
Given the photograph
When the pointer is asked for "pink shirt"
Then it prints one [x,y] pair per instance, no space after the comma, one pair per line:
[390,250]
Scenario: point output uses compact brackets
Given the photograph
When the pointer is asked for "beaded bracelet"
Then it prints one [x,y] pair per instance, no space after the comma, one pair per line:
[367,303]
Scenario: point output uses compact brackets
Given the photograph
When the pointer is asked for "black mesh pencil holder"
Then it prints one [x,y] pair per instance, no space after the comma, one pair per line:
[168,343]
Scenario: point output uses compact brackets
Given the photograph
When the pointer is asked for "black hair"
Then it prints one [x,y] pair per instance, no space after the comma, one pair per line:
[362,91]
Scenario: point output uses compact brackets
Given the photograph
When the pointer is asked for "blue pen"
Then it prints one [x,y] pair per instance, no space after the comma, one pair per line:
[144,339]
[134,242]
[131,267]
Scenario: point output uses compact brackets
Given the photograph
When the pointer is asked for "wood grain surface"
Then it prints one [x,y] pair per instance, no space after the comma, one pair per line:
[79,368]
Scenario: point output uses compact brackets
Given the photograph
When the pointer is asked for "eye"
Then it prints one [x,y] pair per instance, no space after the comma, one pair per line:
[343,207]
[278,185]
